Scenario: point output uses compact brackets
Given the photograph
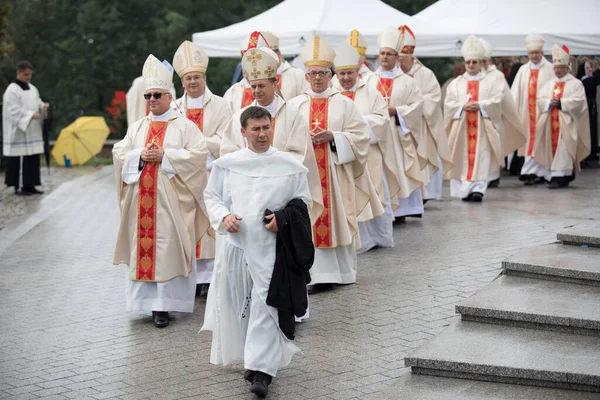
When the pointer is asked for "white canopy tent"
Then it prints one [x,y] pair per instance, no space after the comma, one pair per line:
[296,21]
[441,27]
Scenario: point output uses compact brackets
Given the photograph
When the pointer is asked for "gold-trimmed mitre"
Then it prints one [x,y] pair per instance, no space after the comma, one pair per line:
[253,41]
[409,40]
[317,53]
[156,75]
[472,49]
[390,38]
[346,56]
[260,63]
[358,41]
[560,55]
[189,57]
[533,41]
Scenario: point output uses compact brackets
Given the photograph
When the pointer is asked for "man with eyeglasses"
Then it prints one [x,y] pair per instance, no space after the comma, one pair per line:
[374,222]
[562,137]
[341,142]
[290,132]
[434,139]
[210,113]
[405,108]
[530,78]
[511,129]
[472,117]
[160,169]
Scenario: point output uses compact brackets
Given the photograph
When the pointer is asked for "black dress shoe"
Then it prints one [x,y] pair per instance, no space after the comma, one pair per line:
[415,215]
[539,181]
[320,287]
[160,318]
[32,190]
[22,193]
[399,219]
[248,375]
[476,197]
[260,383]
[202,289]
[494,184]
[425,201]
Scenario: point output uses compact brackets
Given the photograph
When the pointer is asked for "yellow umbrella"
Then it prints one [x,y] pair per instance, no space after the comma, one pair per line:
[81,140]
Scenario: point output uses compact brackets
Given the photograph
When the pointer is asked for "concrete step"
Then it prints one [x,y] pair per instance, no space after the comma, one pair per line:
[509,354]
[423,387]
[536,303]
[557,262]
[579,237]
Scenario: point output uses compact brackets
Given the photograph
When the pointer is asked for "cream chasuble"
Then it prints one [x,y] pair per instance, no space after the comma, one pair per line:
[239,95]
[210,113]
[290,134]
[474,136]
[439,158]
[401,92]
[291,81]
[562,136]
[525,89]
[243,326]
[512,129]
[375,222]
[336,230]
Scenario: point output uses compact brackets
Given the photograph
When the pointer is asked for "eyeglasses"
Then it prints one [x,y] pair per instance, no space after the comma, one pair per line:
[157,96]
[472,62]
[320,74]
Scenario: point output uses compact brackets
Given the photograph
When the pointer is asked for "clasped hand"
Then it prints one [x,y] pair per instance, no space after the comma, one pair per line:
[152,153]
[554,103]
[473,106]
[321,136]
[232,223]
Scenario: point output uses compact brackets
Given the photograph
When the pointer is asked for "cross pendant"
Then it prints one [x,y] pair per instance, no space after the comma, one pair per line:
[316,124]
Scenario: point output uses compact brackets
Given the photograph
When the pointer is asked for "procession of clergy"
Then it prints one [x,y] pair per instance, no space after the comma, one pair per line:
[361,148]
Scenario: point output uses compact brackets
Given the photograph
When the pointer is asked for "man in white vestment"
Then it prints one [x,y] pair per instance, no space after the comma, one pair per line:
[511,126]
[22,115]
[290,132]
[341,142]
[244,189]
[434,139]
[160,169]
[472,117]
[210,114]
[562,137]
[525,89]
[405,108]
[382,165]
[290,80]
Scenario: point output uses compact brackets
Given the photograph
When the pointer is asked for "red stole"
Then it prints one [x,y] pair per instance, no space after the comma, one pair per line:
[318,118]
[196,115]
[147,201]
[350,95]
[557,93]
[472,126]
[385,87]
[532,107]
[247,97]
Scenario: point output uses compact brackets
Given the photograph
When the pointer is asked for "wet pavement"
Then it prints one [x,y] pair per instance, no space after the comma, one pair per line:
[65,332]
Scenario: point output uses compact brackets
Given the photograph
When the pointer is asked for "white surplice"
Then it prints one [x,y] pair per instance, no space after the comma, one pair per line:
[244,327]
[22,134]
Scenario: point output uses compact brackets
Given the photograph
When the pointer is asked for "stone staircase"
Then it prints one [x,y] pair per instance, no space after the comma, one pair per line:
[537,324]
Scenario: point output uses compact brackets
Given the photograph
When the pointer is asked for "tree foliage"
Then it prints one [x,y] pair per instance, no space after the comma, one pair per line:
[83,51]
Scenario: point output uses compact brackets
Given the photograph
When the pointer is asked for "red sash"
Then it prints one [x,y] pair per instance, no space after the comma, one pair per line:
[318,120]
[472,127]
[247,97]
[147,200]
[557,93]
[196,115]
[350,95]
[385,87]
[532,107]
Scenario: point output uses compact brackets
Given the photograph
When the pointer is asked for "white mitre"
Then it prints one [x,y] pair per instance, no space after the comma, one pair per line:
[189,57]
[560,55]
[317,53]
[253,41]
[272,39]
[346,57]
[260,63]
[156,75]
[487,47]
[390,38]
[472,49]
[533,41]
[358,41]
[409,40]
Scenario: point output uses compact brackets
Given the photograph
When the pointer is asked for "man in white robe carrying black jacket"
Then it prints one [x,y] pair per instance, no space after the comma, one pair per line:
[243,187]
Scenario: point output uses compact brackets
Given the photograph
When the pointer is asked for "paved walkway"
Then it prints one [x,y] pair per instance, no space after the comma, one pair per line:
[65,333]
